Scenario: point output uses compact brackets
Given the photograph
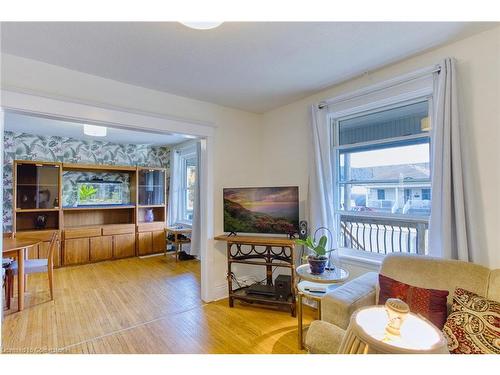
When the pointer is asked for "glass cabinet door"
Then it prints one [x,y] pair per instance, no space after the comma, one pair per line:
[37,186]
[151,187]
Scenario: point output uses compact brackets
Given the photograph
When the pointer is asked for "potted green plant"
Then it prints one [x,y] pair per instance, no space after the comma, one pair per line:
[318,260]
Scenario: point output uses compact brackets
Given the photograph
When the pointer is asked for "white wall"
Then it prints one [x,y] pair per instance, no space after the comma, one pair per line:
[286,141]
[236,141]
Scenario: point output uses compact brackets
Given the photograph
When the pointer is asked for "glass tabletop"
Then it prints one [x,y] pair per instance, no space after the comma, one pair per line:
[330,276]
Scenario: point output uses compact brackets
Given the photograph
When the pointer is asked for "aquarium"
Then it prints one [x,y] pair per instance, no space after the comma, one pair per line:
[97,192]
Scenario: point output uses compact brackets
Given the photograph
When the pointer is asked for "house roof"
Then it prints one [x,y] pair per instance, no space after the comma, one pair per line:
[392,172]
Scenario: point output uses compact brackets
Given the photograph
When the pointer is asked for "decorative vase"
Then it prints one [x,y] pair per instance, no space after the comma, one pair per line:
[397,311]
[40,221]
[149,216]
[317,264]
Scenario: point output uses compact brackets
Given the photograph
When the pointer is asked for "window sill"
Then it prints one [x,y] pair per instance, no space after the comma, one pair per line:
[356,258]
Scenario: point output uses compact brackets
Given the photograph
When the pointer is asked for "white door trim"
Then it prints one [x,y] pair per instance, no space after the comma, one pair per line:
[41,105]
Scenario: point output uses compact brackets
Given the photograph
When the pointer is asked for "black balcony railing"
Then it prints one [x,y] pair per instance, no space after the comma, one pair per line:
[383,235]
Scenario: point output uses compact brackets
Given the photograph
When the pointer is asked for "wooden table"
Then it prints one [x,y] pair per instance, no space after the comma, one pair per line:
[18,247]
[177,240]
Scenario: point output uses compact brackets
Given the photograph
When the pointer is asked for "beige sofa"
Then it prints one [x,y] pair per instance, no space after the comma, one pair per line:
[337,307]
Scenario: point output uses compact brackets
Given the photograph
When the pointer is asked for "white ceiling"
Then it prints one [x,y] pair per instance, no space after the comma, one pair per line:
[252,66]
[21,123]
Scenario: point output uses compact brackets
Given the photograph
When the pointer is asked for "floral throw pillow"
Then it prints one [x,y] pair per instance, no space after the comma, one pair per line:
[473,327]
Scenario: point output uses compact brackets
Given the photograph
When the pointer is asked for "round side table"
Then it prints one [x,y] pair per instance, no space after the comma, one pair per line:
[307,288]
[366,335]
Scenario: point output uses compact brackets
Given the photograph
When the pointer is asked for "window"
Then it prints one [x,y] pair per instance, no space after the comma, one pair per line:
[383,186]
[380,194]
[188,183]
[407,195]
[426,194]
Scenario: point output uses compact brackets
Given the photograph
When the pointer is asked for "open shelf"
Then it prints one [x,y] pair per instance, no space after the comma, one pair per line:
[98,216]
[26,221]
[158,214]
[241,294]
[152,222]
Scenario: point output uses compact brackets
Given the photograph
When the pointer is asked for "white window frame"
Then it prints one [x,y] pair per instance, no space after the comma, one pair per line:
[372,107]
[184,188]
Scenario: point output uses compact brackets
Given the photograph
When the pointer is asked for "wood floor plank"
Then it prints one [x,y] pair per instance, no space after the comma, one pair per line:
[133,305]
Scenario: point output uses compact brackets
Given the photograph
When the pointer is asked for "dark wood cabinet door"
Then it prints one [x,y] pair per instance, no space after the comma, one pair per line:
[145,245]
[76,251]
[124,245]
[101,248]
[159,241]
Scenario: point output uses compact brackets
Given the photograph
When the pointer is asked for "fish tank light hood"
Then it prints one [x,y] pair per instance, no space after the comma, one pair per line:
[96,180]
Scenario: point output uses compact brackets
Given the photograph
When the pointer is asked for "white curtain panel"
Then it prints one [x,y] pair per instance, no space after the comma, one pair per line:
[321,175]
[448,226]
[174,188]
[196,225]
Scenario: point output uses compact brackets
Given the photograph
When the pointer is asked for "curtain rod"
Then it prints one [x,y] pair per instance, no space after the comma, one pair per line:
[381,86]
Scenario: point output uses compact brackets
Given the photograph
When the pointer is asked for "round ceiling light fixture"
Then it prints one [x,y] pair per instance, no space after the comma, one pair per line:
[95,131]
[202,25]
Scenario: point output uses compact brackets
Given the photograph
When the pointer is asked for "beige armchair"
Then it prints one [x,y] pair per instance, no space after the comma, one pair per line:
[426,272]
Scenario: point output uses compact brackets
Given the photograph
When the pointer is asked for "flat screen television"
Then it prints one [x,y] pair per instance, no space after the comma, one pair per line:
[261,210]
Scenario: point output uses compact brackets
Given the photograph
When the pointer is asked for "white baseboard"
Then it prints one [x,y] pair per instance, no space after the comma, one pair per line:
[151,255]
[219,292]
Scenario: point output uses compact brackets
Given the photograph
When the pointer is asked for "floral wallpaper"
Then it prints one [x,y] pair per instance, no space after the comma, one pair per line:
[23,146]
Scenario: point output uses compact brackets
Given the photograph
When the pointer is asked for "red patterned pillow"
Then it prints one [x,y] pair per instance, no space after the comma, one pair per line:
[473,326]
[430,303]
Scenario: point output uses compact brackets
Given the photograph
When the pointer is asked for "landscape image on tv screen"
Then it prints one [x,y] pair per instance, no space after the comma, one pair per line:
[261,210]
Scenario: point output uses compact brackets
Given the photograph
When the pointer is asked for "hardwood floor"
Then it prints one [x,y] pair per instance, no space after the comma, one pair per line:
[149,305]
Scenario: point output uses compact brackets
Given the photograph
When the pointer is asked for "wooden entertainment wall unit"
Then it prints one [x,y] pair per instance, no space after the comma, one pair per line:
[88,233]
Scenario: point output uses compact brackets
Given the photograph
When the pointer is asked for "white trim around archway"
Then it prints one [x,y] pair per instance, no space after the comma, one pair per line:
[66,109]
